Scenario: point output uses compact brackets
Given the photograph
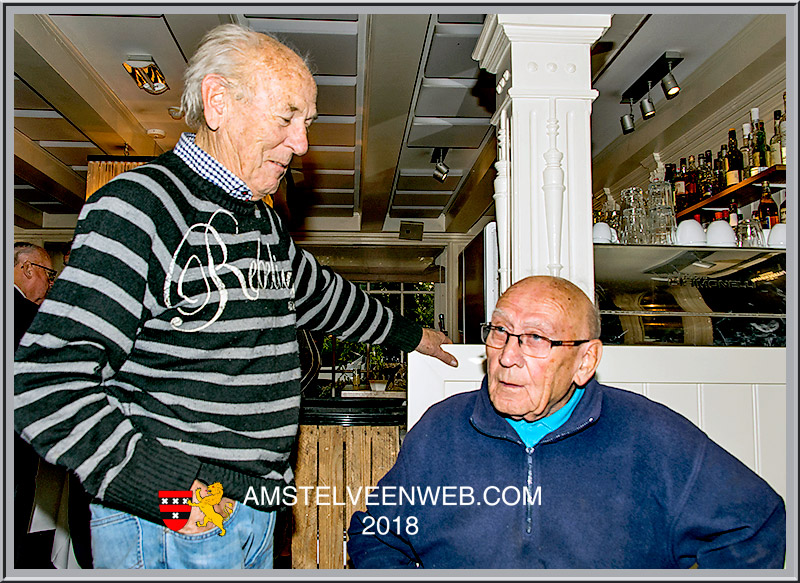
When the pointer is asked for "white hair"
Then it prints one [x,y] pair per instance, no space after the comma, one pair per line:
[226,50]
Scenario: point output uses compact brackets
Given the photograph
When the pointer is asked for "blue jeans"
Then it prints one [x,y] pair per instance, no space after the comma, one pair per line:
[124,541]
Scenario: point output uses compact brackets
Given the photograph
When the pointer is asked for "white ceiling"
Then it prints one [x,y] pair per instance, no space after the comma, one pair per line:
[391,88]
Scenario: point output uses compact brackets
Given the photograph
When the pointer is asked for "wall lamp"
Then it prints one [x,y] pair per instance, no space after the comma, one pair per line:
[660,71]
[440,170]
[146,73]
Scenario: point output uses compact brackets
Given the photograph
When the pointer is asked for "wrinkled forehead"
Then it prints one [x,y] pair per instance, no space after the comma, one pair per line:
[278,61]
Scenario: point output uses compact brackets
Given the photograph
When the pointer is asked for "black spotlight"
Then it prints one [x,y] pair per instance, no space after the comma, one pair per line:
[669,85]
[646,105]
[627,121]
[440,170]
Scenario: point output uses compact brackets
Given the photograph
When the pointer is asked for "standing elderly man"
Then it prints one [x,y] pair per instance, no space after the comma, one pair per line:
[544,467]
[166,359]
[33,277]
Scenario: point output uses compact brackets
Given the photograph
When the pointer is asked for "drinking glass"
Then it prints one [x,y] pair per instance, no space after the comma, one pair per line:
[631,198]
[634,226]
[659,193]
[749,233]
[662,225]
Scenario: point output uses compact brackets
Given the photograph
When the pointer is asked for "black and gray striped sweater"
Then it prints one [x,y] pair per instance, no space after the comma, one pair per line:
[167,349]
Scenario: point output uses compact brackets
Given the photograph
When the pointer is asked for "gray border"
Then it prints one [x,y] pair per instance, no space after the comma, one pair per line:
[790,9]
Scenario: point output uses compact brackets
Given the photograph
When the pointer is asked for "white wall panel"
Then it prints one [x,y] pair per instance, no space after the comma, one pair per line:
[771,434]
[680,398]
[727,418]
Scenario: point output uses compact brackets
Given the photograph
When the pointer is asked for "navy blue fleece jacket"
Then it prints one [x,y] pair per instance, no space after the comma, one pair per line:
[624,483]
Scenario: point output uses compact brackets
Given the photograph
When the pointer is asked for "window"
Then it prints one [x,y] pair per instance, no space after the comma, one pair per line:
[342,360]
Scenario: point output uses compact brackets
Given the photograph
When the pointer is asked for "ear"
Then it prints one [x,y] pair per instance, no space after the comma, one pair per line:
[214,100]
[592,354]
[26,269]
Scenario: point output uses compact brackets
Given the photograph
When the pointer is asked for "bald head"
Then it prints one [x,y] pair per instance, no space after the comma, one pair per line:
[576,303]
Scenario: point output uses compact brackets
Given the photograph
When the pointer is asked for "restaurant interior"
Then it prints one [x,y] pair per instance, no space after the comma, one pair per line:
[399,192]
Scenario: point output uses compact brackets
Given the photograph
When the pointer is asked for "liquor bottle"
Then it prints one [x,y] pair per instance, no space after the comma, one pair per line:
[747,149]
[669,178]
[754,118]
[776,141]
[719,168]
[733,214]
[783,130]
[760,150]
[679,187]
[706,185]
[767,209]
[692,178]
[733,160]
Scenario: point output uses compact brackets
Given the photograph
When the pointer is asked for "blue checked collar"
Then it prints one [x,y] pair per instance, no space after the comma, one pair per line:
[207,167]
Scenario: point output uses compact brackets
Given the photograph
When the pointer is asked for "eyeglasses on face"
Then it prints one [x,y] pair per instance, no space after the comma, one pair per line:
[531,344]
[51,273]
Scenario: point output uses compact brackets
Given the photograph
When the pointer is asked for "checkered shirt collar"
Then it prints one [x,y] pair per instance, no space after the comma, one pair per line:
[207,167]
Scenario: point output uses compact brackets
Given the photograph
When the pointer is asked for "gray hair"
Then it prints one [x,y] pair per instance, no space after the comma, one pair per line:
[227,50]
[23,250]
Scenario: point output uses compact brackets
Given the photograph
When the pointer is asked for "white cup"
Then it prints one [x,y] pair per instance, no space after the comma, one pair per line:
[777,236]
[601,233]
[690,232]
[720,234]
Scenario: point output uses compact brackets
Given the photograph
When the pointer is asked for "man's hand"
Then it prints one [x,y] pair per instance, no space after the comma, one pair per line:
[196,515]
[431,344]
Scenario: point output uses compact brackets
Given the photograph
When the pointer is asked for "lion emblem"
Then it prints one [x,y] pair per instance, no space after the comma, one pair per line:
[206,505]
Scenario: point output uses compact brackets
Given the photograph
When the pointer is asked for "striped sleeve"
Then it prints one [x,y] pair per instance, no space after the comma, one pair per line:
[326,301]
[82,335]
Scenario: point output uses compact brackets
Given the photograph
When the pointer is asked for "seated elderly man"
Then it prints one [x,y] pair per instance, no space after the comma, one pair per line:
[544,467]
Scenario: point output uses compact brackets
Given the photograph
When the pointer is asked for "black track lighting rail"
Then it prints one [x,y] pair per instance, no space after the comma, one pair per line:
[653,75]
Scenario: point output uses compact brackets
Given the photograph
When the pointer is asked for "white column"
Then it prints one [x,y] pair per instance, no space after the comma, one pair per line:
[543,192]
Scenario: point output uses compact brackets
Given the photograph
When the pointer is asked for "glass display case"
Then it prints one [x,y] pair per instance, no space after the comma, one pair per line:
[699,296]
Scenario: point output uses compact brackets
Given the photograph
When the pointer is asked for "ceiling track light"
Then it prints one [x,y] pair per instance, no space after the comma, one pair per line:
[669,85]
[440,169]
[660,71]
[627,121]
[646,105]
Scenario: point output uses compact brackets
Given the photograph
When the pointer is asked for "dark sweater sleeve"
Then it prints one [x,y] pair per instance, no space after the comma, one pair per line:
[731,518]
[326,301]
[84,332]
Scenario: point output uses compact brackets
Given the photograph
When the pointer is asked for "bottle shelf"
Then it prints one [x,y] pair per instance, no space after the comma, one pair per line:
[745,192]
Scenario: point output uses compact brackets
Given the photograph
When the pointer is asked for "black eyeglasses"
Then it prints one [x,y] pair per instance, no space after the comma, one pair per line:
[51,273]
[531,344]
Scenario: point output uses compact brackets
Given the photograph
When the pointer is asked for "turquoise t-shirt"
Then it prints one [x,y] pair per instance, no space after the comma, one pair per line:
[532,433]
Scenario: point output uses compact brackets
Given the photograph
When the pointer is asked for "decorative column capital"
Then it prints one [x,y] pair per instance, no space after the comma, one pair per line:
[500,30]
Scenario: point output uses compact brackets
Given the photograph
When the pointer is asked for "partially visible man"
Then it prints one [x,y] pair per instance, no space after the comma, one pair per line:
[166,357]
[544,467]
[33,277]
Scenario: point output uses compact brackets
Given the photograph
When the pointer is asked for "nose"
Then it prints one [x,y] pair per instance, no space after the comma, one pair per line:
[511,353]
[297,139]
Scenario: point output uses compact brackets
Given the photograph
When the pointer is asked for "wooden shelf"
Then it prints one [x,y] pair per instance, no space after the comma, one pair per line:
[744,193]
